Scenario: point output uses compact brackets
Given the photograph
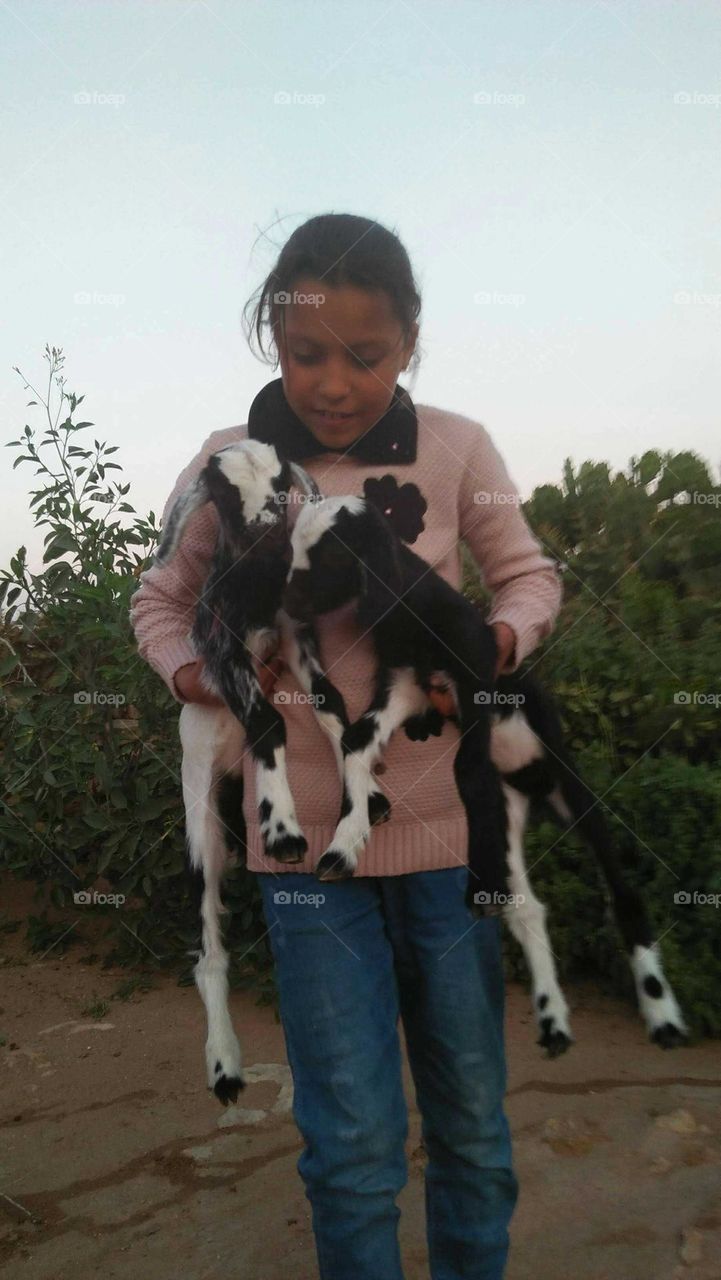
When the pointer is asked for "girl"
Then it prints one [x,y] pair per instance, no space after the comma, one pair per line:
[342,308]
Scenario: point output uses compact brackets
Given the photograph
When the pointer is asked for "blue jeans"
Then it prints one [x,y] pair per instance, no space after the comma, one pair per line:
[350,956]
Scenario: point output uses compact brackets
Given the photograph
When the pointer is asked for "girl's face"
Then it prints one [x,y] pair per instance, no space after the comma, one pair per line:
[340,358]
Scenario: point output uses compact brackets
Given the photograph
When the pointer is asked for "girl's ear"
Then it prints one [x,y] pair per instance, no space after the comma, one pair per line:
[377,549]
[182,509]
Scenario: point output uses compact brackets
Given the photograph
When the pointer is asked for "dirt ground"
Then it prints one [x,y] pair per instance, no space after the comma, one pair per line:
[117,1162]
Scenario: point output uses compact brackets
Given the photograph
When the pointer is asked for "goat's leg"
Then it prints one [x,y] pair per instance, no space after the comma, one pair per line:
[208,854]
[397,696]
[479,786]
[576,805]
[300,649]
[526,918]
[265,730]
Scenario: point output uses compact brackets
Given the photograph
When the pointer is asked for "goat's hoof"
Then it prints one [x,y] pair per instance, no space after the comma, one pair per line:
[227,1088]
[287,848]
[379,808]
[669,1036]
[419,728]
[334,865]
[553,1039]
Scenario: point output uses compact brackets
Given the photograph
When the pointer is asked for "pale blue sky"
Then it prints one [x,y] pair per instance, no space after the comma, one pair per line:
[580,195]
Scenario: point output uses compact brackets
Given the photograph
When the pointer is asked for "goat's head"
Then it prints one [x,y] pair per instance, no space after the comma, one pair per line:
[249,486]
[342,548]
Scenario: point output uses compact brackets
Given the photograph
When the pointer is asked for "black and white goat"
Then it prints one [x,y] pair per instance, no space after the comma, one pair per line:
[511,750]
[237,620]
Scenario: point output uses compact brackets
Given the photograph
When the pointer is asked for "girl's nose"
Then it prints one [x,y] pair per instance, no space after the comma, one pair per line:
[334,385]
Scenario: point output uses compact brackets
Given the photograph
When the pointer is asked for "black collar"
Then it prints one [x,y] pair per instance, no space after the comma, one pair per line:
[392,439]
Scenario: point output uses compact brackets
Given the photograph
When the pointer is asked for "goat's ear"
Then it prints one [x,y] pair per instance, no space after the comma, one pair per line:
[377,551]
[182,509]
[303,481]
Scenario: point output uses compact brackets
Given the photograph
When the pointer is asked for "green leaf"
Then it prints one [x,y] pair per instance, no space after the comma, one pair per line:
[98,821]
[153,808]
[8,663]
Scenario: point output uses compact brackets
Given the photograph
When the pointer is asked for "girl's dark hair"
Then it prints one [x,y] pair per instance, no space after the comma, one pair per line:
[340,248]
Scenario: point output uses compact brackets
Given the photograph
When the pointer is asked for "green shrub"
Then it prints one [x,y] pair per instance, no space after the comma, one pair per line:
[90,758]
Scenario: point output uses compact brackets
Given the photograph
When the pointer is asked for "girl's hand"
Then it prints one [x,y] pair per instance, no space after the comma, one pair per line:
[268,673]
[187,681]
[441,696]
[505,642]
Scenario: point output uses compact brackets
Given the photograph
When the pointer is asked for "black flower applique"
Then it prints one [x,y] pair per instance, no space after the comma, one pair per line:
[403,507]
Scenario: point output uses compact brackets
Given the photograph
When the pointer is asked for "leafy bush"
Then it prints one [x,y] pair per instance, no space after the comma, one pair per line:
[90,757]
[90,760]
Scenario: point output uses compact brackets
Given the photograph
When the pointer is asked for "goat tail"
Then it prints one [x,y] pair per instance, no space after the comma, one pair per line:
[305,482]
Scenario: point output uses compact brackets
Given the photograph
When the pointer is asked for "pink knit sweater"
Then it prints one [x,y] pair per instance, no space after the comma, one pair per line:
[469,496]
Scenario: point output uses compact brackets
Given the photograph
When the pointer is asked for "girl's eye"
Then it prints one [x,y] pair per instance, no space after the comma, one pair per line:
[361,364]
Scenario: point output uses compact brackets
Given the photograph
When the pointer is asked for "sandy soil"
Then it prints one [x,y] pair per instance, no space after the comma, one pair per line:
[117,1162]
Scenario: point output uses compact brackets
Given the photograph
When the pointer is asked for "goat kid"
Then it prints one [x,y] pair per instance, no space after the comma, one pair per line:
[237,620]
[344,547]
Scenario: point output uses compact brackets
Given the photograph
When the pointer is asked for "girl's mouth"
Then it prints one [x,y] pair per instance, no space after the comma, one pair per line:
[333,419]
